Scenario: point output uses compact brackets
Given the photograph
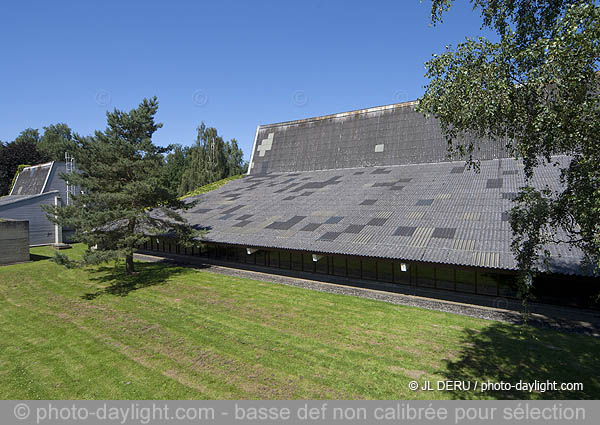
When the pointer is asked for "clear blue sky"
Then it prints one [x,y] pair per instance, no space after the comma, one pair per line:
[233,65]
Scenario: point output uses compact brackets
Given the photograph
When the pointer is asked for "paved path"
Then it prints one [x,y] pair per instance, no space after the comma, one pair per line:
[490,308]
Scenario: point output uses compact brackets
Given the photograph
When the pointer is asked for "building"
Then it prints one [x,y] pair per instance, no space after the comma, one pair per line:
[36,186]
[372,195]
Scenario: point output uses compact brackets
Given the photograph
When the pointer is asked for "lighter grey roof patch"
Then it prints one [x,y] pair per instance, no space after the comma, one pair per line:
[464,244]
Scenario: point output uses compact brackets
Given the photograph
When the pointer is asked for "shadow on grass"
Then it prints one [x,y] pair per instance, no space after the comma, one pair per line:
[120,284]
[512,354]
[36,257]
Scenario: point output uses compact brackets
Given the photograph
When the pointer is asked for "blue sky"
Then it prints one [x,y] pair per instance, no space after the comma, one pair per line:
[233,65]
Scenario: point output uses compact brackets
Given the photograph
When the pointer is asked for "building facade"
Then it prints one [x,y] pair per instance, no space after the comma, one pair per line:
[36,186]
[373,195]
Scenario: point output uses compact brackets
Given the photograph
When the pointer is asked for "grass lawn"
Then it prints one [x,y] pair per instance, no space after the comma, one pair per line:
[211,186]
[177,333]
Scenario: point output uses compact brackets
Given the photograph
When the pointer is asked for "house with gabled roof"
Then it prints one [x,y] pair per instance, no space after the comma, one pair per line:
[35,186]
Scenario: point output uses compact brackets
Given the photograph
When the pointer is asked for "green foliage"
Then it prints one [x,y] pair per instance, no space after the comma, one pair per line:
[176,163]
[30,148]
[211,186]
[56,141]
[29,135]
[210,160]
[22,151]
[123,198]
[64,260]
[535,90]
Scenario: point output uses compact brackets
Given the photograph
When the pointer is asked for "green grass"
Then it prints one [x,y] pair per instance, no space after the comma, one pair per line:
[211,186]
[177,333]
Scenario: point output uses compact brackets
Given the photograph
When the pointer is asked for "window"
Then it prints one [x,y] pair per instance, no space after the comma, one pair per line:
[425,276]
[260,257]
[221,252]
[369,269]
[444,277]
[296,261]
[309,264]
[507,285]
[466,280]
[239,254]
[323,264]
[402,276]
[211,251]
[285,260]
[354,268]
[339,265]
[487,283]
[273,259]
[203,250]
[385,271]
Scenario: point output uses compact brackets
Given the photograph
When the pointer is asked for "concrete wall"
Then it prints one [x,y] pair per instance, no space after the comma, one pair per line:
[14,241]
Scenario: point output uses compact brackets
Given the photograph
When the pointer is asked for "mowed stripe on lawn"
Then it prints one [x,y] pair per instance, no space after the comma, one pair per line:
[172,332]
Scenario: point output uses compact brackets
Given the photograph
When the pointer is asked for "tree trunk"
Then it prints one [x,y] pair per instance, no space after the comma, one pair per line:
[129,264]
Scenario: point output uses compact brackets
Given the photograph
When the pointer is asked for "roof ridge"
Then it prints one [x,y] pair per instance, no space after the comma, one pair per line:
[343,114]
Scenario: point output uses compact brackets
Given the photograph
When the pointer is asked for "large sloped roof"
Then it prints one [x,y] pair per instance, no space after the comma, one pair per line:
[436,212]
[384,135]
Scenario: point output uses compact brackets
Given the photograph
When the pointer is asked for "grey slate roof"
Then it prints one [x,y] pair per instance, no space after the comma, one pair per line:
[437,212]
[31,180]
[385,135]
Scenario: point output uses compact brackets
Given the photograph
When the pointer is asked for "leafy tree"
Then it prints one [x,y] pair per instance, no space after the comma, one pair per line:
[535,89]
[29,135]
[29,148]
[56,140]
[211,159]
[235,159]
[123,199]
[23,150]
[175,164]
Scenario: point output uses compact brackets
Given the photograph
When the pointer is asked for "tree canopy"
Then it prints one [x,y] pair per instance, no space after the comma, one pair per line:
[24,150]
[535,90]
[123,199]
[56,141]
[211,159]
[176,163]
[29,148]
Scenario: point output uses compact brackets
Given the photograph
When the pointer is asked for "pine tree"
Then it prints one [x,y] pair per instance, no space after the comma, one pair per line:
[123,198]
